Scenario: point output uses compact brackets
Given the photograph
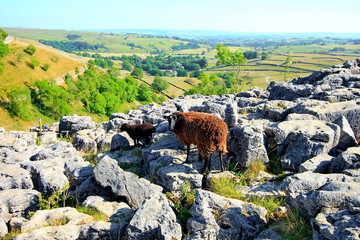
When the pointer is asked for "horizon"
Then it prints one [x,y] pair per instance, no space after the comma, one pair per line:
[261,16]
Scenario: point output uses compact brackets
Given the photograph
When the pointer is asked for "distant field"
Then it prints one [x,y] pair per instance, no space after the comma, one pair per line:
[114,43]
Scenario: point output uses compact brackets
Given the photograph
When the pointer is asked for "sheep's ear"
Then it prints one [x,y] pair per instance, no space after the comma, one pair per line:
[166,117]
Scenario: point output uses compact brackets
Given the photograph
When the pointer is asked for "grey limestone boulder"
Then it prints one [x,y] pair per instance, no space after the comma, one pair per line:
[310,192]
[48,137]
[120,140]
[155,219]
[172,177]
[217,217]
[75,123]
[248,144]
[3,228]
[347,137]
[43,218]
[333,224]
[13,176]
[319,164]
[60,149]
[268,234]
[298,141]
[18,202]
[124,184]
[93,230]
[115,211]
[349,159]
[48,175]
[85,144]
[330,112]
[16,140]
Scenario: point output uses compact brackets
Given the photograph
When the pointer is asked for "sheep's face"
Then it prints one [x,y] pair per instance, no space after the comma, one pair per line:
[173,119]
[124,127]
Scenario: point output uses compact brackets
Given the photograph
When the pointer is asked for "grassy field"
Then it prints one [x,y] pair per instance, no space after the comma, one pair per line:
[114,43]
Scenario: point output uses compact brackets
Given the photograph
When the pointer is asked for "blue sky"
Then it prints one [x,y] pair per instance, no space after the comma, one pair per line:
[229,15]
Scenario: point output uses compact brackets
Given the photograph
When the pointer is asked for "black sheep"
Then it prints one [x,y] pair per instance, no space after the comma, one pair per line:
[139,131]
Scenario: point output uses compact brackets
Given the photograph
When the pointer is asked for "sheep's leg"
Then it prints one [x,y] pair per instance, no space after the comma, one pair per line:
[221,162]
[187,153]
[207,162]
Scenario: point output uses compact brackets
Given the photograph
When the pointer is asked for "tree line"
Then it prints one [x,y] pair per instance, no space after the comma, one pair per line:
[72,46]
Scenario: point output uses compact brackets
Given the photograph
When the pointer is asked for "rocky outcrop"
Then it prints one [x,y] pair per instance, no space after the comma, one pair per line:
[311,123]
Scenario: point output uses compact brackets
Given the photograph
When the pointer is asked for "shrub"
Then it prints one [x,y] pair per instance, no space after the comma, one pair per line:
[19,103]
[46,67]
[31,49]
[4,49]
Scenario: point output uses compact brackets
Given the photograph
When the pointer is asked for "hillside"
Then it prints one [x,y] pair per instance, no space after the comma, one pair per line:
[18,69]
[113,43]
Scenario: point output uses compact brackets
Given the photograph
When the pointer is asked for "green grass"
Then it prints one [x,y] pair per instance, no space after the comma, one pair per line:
[225,187]
[294,226]
[98,216]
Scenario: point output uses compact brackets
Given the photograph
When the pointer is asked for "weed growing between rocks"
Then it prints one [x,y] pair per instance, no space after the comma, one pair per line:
[272,206]
[183,203]
[225,187]
[294,226]
[98,216]
[13,233]
[91,158]
[58,198]
[66,137]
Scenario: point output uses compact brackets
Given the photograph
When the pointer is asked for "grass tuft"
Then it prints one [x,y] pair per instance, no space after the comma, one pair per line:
[294,226]
[225,187]
[98,216]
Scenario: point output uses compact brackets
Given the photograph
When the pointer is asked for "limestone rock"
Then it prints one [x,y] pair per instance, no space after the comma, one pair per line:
[74,123]
[349,159]
[120,140]
[18,202]
[347,137]
[3,228]
[217,217]
[298,141]
[115,211]
[13,176]
[319,163]
[248,144]
[43,218]
[154,220]
[124,184]
[172,177]
[333,224]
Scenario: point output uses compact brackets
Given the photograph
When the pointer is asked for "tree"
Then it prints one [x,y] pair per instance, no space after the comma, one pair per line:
[182,73]
[31,49]
[97,103]
[4,49]
[73,36]
[159,84]
[126,65]
[233,59]
[3,35]
[19,103]
[264,55]
[138,72]
[144,93]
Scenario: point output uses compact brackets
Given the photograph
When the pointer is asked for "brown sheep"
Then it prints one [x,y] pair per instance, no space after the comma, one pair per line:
[139,131]
[206,131]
